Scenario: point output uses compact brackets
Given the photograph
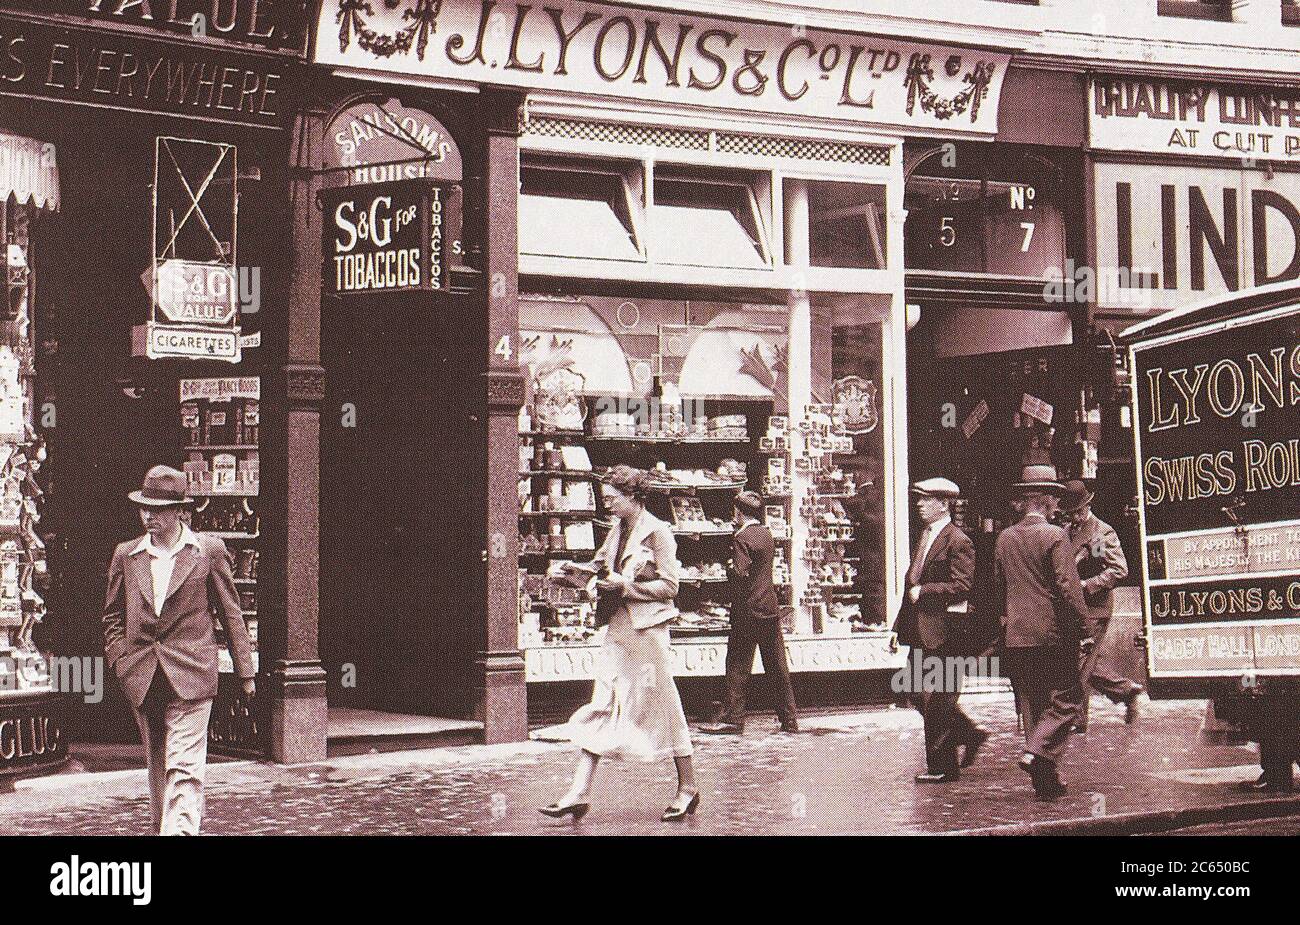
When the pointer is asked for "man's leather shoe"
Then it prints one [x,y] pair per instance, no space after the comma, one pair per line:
[930,777]
[1131,707]
[789,725]
[973,747]
[1050,789]
[1265,784]
[722,729]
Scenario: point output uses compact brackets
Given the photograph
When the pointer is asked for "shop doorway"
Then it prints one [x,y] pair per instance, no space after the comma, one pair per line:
[402,446]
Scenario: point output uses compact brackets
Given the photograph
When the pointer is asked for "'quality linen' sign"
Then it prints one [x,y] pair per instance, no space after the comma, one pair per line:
[610,50]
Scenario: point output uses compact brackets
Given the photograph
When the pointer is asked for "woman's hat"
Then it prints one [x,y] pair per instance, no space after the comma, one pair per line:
[163,487]
[1038,479]
[1075,496]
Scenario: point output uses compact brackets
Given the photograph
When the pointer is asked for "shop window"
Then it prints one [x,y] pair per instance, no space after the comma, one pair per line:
[1196,9]
[977,212]
[847,225]
[572,208]
[708,219]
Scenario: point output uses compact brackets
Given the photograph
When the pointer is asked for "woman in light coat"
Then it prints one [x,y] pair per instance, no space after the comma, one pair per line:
[635,711]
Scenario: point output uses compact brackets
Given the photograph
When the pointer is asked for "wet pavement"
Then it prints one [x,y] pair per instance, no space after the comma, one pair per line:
[844,774]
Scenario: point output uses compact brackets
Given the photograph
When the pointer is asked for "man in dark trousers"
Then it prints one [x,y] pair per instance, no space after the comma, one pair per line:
[935,600]
[755,622]
[1044,619]
[1100,561]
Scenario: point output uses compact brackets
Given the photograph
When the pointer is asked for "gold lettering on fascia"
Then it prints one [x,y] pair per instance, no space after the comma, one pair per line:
[157,80]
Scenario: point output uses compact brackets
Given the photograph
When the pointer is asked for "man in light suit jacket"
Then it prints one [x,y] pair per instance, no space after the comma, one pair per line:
[755,622]
[935,599]
[159,640]
[1100,561]
[1044,619]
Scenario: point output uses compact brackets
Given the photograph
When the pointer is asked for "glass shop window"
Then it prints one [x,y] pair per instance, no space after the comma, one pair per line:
[572,208]
[977,212]
[708,219]
[847,226]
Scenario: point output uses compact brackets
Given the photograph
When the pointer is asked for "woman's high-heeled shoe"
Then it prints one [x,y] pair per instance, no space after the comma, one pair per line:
[673,814]
[556,811]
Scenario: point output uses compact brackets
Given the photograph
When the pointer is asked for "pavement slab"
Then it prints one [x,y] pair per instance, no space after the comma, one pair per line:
[847,774]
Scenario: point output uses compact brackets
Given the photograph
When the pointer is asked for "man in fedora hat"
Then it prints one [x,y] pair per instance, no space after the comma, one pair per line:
[935,602]
[755,623]
[1100,561]
[159,640]
[1044,618]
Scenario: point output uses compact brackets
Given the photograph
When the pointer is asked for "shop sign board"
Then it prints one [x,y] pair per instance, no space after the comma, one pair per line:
[864,652]
[221,389]
[1167,236]
[1177,117]
[191,342]
[387,237]
[188,292]
[130,72]
[1218,459]
[623,51]
[384,140]
[270,24]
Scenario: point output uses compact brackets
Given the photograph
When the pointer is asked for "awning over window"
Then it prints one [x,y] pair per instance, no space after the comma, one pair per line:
[28,172]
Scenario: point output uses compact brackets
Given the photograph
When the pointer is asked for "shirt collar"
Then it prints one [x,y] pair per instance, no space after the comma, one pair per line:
[939,524]
[188,538]
[1034,515]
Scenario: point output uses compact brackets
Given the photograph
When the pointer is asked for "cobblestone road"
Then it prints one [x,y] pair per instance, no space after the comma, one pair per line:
[846,774]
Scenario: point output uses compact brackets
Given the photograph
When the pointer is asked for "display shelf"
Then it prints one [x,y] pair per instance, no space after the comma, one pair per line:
[229,535]
[557,473]
[569,515]
[576,554]
[218,493]
[675,486]
[228,447]
[700,534]
[680,441]
[553,434]
[242,581]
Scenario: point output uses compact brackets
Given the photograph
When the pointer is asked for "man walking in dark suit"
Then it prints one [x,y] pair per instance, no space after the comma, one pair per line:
[1044,618]
[755,623]
[934,601]
[159,640]
[1100,561]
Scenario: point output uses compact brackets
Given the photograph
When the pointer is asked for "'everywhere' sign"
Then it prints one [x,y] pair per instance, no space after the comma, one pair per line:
[592,48]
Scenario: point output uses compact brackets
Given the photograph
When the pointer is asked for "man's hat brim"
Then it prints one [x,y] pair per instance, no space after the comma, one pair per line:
[1074,506]
[145,501]
[1052,488]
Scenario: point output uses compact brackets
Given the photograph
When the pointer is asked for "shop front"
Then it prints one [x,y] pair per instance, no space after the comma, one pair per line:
[1195,193]
[684,240]
[142,177]
[996,359]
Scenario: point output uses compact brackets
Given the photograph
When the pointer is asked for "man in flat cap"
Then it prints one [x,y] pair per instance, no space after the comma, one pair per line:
[755,623]
[159,640]
[1100,561]
[1044,619]
[935,600]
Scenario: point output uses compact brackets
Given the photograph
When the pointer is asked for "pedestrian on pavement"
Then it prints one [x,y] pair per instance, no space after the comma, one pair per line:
[755,622]
[1044,619]
[1100,561]
[935,602]
[159,640]
[635,710]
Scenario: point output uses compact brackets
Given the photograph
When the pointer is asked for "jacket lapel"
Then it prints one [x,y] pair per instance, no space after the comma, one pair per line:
[143,576]
[643,527]
[185,561]
[936,547]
